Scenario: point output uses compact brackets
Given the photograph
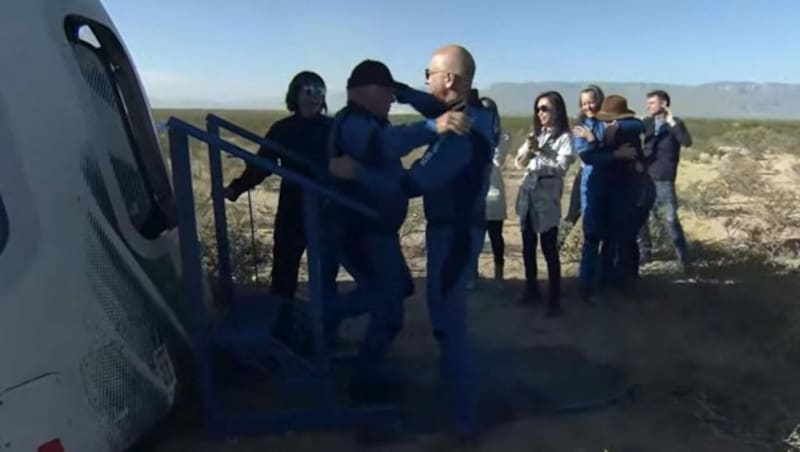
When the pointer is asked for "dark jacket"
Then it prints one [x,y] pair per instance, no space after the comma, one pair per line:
[662,148]
[631,183]
[305,136]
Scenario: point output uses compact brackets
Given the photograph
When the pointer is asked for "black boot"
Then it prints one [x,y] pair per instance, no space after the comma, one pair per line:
[554,308]
[498,271]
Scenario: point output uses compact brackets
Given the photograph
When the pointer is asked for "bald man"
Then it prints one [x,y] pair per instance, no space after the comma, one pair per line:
[452,176]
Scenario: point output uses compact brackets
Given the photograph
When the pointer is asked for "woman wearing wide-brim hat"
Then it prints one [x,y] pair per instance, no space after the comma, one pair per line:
[614,107]
[633,189]
[613,140]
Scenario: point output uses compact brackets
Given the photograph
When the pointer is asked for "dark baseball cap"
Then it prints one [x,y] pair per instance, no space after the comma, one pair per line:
[370,72]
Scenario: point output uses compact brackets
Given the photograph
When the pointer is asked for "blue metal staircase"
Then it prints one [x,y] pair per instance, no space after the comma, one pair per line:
[242,335]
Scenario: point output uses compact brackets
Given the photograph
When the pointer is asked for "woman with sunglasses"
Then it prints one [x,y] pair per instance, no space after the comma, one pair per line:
[305,132]
[545,156]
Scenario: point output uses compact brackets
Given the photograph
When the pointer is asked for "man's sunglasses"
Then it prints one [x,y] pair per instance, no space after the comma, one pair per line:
[429,72]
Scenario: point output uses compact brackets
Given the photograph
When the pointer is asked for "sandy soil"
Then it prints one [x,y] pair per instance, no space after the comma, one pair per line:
[713,355]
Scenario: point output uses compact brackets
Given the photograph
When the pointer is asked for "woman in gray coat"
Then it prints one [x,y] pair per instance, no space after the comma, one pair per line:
[545,157]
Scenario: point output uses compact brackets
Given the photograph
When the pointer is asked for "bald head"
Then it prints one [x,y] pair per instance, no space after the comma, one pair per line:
[450,73]
[455,59]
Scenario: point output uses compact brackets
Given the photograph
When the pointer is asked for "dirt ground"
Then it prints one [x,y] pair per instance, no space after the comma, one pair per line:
[713,355]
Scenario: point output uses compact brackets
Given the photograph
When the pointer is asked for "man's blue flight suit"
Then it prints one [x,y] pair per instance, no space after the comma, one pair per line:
[453,178]
[370,251]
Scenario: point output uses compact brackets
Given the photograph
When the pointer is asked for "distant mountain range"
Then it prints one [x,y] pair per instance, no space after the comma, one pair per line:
[708,100]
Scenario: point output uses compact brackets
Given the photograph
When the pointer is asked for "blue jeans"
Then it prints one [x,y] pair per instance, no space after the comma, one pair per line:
[665,209]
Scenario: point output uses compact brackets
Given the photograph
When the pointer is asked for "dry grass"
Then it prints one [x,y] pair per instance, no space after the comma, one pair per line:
[715,354]
[755,202]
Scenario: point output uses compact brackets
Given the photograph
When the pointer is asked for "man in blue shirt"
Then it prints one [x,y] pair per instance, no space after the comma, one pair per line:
[370,250]
[453,178]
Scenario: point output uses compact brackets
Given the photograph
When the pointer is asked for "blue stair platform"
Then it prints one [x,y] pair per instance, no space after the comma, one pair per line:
[250,382]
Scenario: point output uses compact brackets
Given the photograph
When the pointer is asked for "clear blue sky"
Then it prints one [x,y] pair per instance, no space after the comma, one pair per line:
[243,48]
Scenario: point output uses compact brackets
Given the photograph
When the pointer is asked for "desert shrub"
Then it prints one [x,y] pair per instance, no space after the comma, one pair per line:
[757,139]
[760,218]
[715,138]
[703,197]
[572,241]
[793,440]
[740,174]
[766,227]
[571,237]
[767,231]
[660,240]
[691,154]
[250,248]
[412,232]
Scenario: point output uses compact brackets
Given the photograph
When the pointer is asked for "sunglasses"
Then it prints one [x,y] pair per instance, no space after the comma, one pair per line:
[542,109]
[314,90]
[429,72]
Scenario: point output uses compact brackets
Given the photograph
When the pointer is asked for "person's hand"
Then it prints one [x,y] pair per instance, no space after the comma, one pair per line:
[611,132]
[583,132]
[533,146]
[625,152]
[453,121]
[231,193]
[343,167]
[532,142]
[669,118]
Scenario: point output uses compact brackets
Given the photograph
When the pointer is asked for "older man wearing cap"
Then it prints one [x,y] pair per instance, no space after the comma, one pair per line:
[371,250]
[453,178]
